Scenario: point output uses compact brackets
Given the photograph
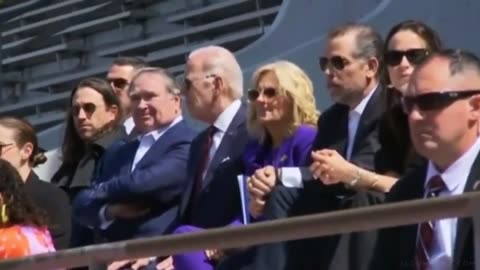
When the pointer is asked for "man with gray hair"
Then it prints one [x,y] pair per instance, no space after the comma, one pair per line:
[443,108]
[139,184]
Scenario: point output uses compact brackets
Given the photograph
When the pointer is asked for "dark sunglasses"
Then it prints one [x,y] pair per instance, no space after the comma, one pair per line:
[88,108]
[435,100]
[269,92]
[118,83]
[414,56]
[337,62]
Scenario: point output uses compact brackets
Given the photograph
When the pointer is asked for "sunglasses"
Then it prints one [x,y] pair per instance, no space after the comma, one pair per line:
[337,62]
[118,83]
[88,108]
[435,100]
[268,92]
[414,56]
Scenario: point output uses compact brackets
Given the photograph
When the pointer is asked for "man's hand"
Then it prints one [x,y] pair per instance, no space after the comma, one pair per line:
[125,211]
[166,264]
[261,183]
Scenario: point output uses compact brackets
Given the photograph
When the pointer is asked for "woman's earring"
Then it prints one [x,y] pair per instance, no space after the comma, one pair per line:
[3,214]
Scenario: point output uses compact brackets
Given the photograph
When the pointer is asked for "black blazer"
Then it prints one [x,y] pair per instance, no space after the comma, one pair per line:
[395,248]
[55,203]
[219,201]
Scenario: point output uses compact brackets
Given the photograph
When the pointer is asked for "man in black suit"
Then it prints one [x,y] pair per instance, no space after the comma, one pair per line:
[352,64]
[443,107]
[213,87]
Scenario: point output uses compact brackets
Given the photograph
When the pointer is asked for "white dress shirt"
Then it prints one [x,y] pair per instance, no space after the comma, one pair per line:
[221,123]
[444,235]
[292,176]
[129,125]
[146,142]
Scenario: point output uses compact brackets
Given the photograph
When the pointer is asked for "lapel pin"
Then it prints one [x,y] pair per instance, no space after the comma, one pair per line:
[283,158]
[225,159]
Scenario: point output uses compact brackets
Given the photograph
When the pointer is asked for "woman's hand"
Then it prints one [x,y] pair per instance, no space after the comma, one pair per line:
[331,168]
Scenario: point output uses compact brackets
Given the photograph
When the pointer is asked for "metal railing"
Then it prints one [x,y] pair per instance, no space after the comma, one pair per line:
[345,221]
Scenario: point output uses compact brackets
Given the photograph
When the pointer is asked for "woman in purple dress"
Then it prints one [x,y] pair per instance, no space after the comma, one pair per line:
[281,121]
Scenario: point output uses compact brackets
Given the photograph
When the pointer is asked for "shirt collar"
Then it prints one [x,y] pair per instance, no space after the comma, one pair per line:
[363,104]
[455,173]
[226,117]
[159,132]
[129,125]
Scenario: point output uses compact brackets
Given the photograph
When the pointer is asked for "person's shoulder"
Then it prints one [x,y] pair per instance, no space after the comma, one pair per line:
[52,190]
[305,132]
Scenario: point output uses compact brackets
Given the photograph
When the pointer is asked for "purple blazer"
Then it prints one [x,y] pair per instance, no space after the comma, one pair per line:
[292,153]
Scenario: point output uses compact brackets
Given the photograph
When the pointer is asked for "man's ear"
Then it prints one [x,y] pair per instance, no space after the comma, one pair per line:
[26,151]
[373,67]
[474,103]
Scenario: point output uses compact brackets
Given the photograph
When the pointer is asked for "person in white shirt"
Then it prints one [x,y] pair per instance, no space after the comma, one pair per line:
[443,107]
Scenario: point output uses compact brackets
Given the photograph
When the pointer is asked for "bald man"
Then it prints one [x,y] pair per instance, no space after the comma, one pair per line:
[443,107]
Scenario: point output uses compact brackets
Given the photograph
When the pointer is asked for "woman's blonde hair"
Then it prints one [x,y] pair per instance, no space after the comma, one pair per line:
[295,84]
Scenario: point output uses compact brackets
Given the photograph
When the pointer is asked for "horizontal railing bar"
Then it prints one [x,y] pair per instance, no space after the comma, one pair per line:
[344,221]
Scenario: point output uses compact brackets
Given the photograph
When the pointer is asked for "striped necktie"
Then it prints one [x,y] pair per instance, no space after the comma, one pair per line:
[426,229]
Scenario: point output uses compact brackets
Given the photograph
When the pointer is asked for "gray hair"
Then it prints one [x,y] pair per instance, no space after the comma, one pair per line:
[171,84]
[460,60]
[222,61]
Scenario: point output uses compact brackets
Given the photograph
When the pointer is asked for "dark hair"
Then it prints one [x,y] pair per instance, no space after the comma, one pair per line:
[25,133]
[424,31]
[430,36]
[20,208]
[369,43]
[135,62]
[73,147]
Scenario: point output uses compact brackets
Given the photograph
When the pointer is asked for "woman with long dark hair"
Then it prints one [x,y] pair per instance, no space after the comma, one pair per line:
[92,126]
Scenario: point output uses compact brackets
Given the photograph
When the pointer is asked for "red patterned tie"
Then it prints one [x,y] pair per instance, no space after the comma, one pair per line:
[426,229]
[203,160]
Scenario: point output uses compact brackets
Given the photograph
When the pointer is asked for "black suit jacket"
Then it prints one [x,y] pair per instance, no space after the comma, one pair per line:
[395,248]
[219,201]
[56,205]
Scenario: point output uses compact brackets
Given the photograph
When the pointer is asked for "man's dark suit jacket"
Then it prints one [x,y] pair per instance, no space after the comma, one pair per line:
[56,205]
[158,181]
[395,248]
[218,203]
[336,252]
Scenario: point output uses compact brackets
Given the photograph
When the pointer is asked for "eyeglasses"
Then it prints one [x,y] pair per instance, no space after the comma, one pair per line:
[118,83]
[337,62]
[414,56]
[268,92]
[88,108]
[2,145]
[435,100]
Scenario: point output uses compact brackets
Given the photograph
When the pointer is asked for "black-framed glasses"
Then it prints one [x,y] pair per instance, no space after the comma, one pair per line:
[414,56]
[118,83]
[435,100]
[268,92]
[337,62]
[89,108]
